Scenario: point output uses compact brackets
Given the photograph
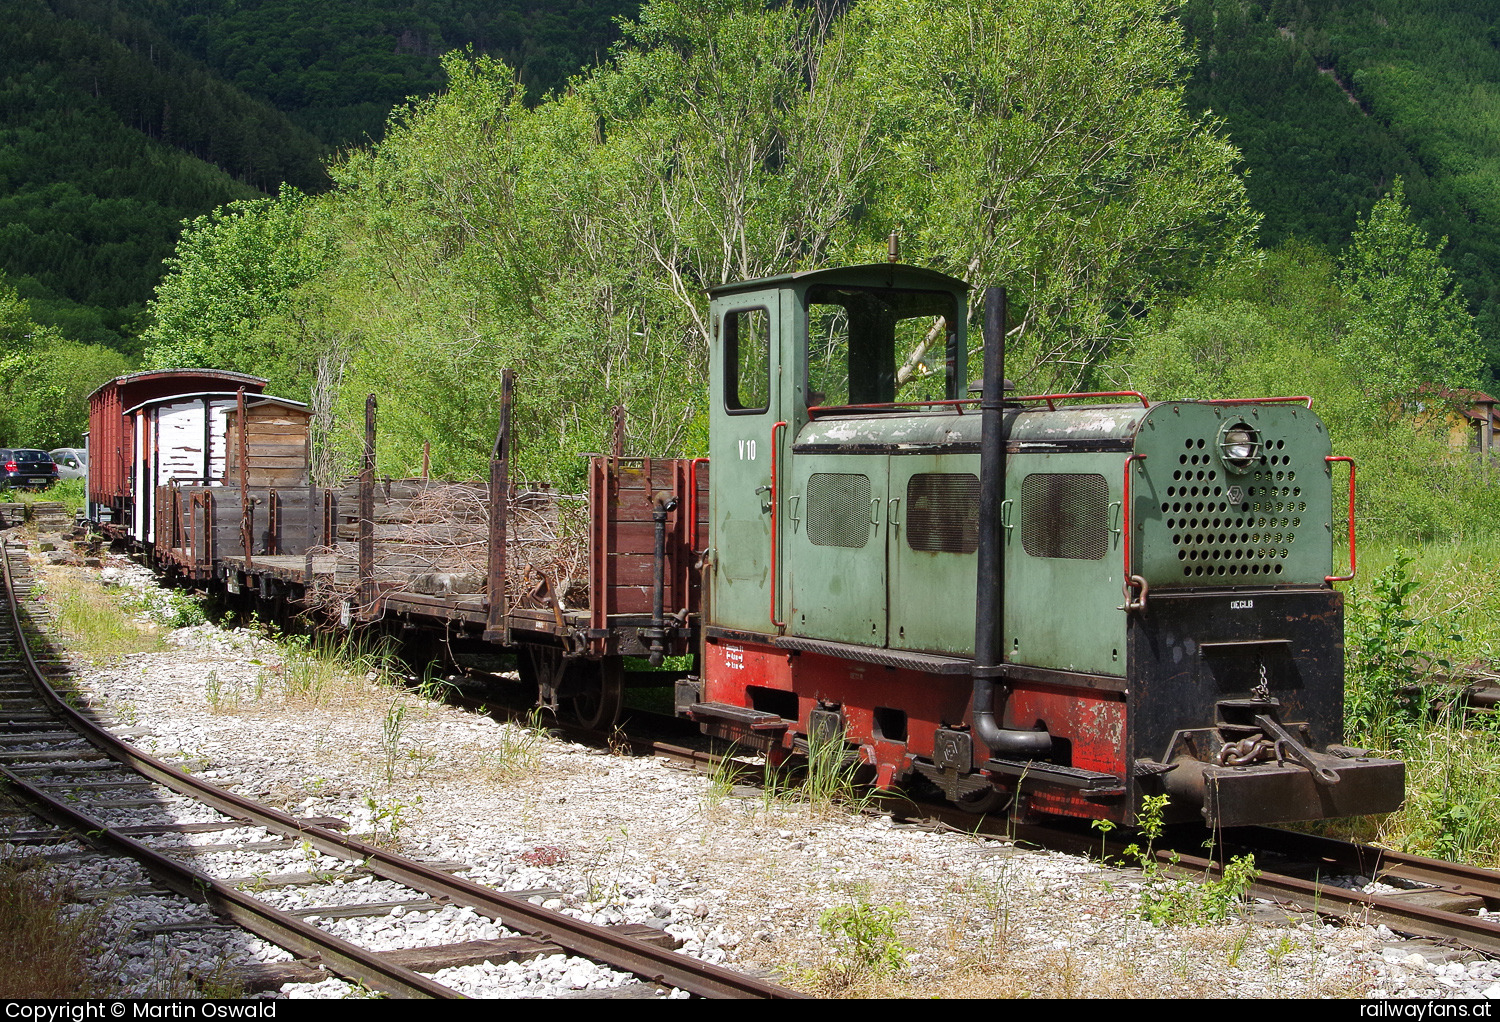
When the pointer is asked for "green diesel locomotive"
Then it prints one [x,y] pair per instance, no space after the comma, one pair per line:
[1019,599]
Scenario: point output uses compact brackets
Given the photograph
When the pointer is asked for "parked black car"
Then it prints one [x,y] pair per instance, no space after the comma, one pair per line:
[26,469]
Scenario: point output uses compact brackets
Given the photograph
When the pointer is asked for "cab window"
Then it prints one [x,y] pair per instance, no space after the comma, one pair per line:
[747,355]
[880,345]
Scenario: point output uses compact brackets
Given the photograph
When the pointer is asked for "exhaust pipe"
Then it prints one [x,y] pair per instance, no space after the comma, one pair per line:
[989,652]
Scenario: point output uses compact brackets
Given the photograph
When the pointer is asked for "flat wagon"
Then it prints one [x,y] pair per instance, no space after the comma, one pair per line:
[571,584]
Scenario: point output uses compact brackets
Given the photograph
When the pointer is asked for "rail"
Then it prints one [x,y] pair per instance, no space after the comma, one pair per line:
[775,514]
[1132,581]
[621,952]
[1303,398]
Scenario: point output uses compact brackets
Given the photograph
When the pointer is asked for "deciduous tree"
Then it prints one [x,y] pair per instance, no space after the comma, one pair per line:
[1408,327]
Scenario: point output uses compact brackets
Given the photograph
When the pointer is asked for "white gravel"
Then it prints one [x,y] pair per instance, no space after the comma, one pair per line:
[740,879]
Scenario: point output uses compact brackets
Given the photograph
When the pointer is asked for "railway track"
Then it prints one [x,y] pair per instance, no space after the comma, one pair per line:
[1413,894]
[79,777]
[1416,895]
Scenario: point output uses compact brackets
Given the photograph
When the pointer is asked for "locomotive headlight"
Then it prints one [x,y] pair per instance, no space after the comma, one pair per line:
[1239,446]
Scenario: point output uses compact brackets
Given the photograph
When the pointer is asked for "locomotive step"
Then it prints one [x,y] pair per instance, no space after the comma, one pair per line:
[1091,782]
[755,720]
[878,655]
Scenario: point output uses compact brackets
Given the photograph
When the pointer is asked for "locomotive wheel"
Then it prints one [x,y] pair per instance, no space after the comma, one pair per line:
[978,802]
[600,692]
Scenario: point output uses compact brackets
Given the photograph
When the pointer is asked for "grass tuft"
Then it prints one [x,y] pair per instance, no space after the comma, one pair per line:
[45,942]
[94,621]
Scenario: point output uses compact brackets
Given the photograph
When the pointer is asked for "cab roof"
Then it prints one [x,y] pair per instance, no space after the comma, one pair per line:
[893,275]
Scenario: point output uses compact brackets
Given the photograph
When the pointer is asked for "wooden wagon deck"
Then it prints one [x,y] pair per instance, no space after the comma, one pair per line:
[316,548]
[298,569]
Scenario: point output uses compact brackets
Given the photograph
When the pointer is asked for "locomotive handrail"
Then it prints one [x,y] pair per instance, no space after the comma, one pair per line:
[775,498]
[1050,398]
[693,536]
[1305,399]
[957,403]
[1131,580]
[1353,566]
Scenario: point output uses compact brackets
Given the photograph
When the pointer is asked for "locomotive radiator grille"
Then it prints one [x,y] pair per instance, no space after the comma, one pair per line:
[838,509]
[1065,515]
[943,512]
[1226,525]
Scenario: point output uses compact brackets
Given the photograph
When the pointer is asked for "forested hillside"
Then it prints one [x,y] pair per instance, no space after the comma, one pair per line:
[338,69]
[1226,196]
[120,119]
[1331,101]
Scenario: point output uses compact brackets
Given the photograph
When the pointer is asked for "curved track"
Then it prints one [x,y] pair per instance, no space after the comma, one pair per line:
[50,731]
[1416,896]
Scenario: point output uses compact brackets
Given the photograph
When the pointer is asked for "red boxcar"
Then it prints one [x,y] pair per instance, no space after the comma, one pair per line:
[112,441]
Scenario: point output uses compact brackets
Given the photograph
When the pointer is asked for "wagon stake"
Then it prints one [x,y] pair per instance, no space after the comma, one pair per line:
[662,504]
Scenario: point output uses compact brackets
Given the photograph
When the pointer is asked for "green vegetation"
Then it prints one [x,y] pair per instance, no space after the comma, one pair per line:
[344,67]
[111,138]
[45,379]
[71,493]
[864,941]
[573,240]
[515,751]
[326,670]
[387,818]
[46,942]
[118,121]
[168,608]
[828,777]
[1331,102]
[1415,620]
[1169,899]
[94,622]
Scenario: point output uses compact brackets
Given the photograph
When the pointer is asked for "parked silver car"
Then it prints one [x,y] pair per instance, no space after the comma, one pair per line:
[72,462]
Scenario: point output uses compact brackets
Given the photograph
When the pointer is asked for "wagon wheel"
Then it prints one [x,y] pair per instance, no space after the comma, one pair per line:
[587,692]
[598,692]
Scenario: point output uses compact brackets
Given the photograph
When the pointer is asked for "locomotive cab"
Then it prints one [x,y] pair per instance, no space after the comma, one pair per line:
[1158,614]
